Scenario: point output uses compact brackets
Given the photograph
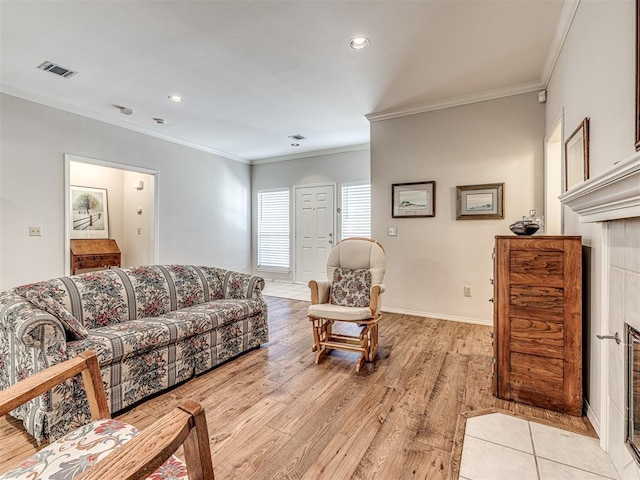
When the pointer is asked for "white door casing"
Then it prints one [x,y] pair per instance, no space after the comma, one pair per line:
[314,230]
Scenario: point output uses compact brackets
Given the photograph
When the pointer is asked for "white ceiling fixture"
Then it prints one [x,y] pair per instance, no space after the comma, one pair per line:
[57,69]
[124,110]
[175,98]
[248,89]
[359,43]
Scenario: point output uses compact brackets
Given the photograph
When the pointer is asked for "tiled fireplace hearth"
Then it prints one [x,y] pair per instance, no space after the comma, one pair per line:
[612,201]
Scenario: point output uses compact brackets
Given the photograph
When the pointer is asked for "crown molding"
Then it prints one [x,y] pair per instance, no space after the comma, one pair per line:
[610,195]
[457,101]
[315,153]
[568,13]
[101,117]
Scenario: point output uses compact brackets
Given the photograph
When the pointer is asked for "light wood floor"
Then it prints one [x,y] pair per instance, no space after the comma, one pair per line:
[274,414]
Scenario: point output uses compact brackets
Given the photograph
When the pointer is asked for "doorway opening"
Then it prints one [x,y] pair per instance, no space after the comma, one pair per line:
[553,179]
[131,196]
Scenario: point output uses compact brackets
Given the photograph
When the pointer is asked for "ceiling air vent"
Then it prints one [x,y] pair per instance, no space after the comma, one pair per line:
[57,69]
[296,137]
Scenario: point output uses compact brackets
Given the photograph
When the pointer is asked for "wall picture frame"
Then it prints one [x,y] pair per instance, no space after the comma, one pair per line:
[89,212]
[480,202]
[576,155]
[415,199]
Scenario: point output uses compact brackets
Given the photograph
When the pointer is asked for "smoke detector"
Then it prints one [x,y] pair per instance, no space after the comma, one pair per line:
[57,69]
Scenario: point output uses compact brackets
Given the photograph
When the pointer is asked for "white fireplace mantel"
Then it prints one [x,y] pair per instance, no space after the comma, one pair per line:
[610,195]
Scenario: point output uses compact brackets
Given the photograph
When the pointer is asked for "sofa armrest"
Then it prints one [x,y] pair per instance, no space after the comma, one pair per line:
[22,321]
[242,286]
[319,291]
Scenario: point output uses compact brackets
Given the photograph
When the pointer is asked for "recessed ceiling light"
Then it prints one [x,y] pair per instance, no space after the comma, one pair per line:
[160,121]
[175,98]
[358,43]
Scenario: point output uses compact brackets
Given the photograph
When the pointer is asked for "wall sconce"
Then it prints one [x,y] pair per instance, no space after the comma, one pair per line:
[138,184]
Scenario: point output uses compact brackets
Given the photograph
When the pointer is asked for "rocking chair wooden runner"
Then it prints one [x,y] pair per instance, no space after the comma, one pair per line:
[355,270]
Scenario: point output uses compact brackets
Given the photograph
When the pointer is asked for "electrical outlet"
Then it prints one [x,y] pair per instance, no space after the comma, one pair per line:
[392,231]
[467,290]
[35,231]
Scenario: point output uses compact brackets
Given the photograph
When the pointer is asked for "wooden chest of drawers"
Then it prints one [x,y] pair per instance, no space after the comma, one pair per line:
[538,321]
[93,253]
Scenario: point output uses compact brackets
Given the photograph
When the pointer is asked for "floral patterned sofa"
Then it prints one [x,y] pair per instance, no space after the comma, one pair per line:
[152,327]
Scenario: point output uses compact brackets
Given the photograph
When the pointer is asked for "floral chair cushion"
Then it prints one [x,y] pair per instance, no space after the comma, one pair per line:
[73,454]
[351,288]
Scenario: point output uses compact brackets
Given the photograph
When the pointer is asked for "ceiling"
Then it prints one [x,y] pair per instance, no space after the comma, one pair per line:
[254,72]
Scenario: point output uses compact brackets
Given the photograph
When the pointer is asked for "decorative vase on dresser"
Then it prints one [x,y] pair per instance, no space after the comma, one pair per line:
[537,319]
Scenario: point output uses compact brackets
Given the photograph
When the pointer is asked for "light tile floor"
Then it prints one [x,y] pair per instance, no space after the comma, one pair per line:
[503,447]
[296,291]
[498,446]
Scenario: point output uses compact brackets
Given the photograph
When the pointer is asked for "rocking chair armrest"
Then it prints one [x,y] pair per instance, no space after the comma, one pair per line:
[86,363]
[376,301]
[148,450]
[319,291]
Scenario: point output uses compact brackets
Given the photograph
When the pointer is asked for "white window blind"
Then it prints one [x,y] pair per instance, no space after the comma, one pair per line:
[356,210]
[273,229]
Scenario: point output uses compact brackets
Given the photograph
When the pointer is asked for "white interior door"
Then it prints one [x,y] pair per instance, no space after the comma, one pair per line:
[315,221]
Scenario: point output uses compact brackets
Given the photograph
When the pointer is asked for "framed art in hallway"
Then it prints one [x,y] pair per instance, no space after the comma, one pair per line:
[576,156]
[89,212]
[480,202]
[417,199]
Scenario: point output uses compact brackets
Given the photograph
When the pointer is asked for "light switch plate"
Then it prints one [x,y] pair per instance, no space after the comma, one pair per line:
[392,231]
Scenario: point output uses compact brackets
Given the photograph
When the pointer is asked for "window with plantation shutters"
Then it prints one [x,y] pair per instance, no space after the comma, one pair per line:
[356,210]
[273,230]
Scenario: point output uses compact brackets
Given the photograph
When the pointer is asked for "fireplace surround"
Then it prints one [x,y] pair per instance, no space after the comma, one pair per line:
[610,202]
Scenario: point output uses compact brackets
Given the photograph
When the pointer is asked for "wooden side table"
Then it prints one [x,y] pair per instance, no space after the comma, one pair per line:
[94,253]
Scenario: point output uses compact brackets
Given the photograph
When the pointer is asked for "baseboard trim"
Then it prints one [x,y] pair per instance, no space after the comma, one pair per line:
[595,423]
[439,316]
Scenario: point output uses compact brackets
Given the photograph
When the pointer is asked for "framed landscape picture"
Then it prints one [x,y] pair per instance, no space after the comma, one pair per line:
[89,212]
[479,202]
[417,199]
[576,156]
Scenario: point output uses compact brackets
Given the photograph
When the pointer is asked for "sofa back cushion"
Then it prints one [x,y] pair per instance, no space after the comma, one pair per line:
[106,297]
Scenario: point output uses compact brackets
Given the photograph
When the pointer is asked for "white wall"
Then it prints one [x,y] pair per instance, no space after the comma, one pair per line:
[594,77]
[139,234]
[338,168]
[431,259]
[204,200]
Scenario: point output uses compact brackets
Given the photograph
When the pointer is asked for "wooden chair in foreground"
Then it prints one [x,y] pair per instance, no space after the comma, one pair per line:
[108,448]
[355,270]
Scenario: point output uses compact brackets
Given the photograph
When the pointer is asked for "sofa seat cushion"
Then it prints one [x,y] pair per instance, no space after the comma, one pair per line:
[76,452]
[227,310]
[119,341]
